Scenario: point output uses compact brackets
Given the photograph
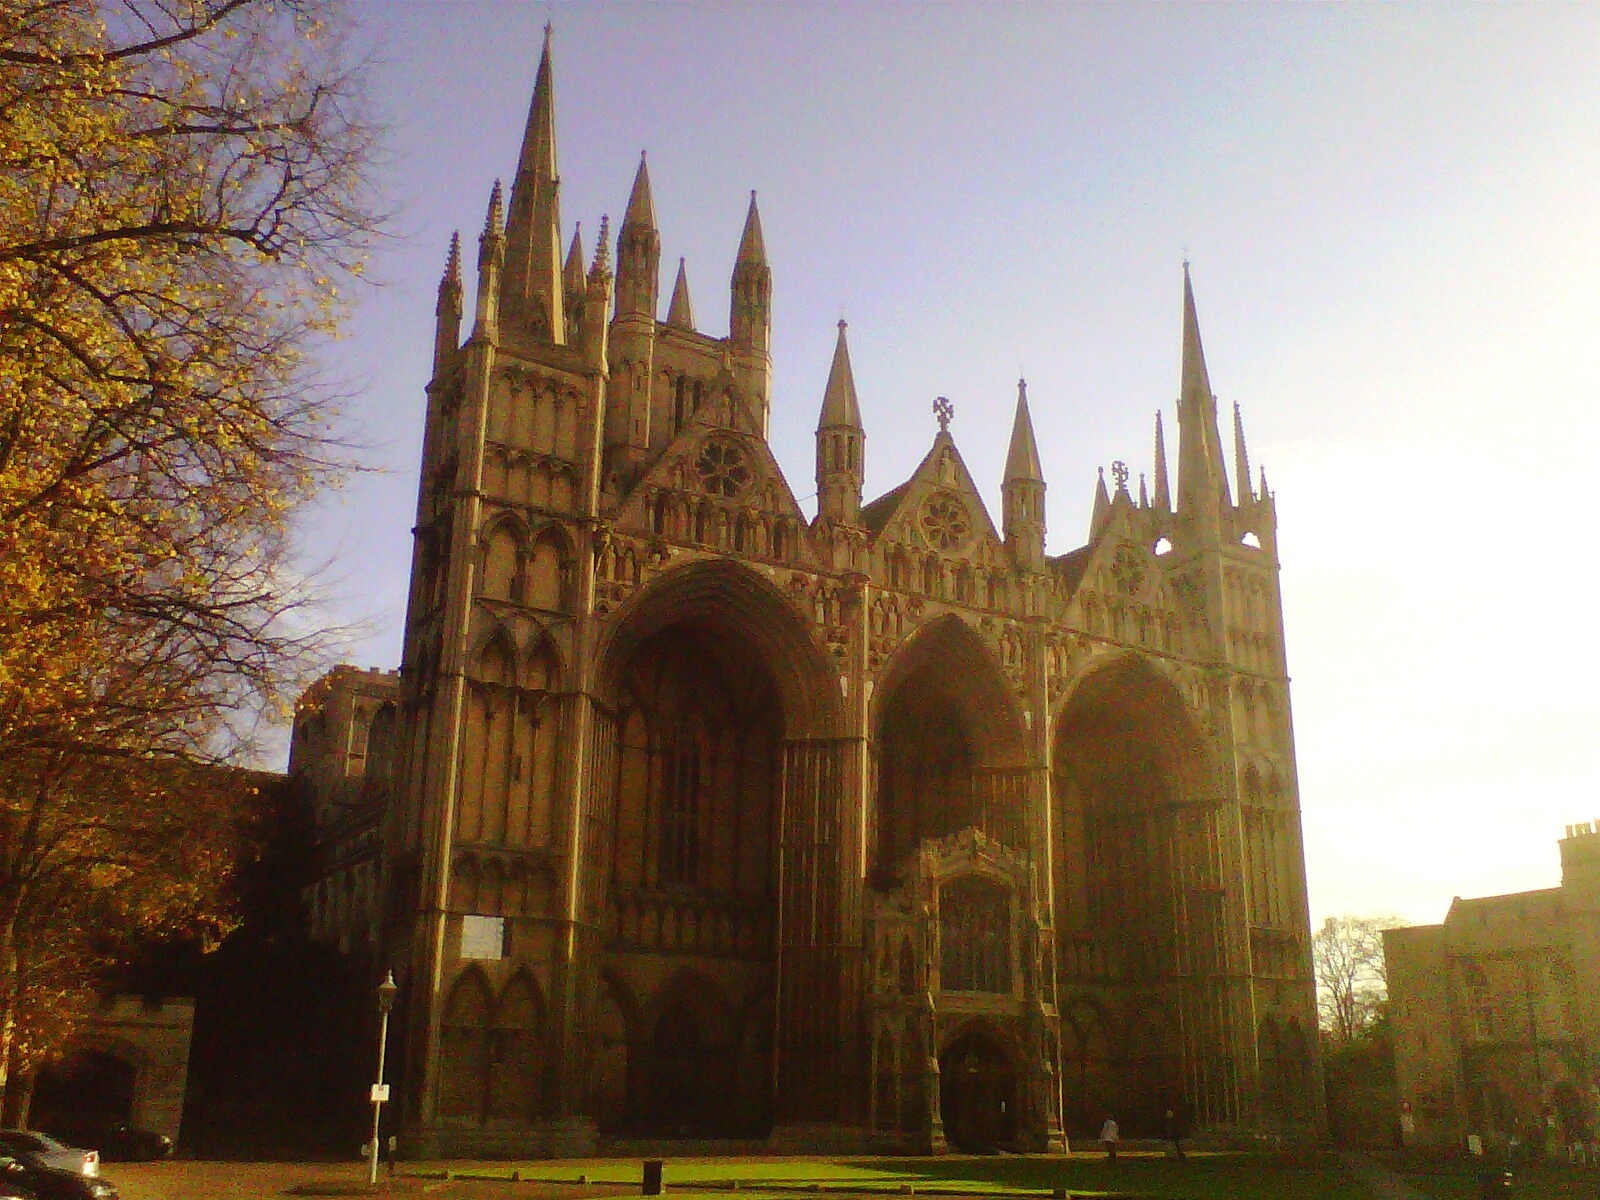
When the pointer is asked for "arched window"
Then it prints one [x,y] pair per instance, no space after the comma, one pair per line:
[974,936]
[547,572]
[682,760]
[464,1050]
[502,564]
[513,1074]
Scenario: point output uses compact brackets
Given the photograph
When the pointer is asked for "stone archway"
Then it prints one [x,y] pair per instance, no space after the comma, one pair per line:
[1137,854]
[720,773]
[950,749]
[89,1086]
[977,1093]
[689,1076]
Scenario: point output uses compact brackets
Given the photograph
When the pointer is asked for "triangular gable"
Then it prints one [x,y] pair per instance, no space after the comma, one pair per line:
[1119,566]
[717,455]
[938,507]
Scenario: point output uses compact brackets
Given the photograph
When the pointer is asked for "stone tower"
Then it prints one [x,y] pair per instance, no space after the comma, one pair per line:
[885,828]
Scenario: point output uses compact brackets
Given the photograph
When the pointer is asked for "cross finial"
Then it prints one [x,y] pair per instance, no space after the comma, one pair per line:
[944,411]
[1119,472]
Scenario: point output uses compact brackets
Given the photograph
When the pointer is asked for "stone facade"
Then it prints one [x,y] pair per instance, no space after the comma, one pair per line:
[134,1054]
[883,827]
[1494,1013]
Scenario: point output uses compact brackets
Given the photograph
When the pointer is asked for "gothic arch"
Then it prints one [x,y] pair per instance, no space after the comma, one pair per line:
[1088,1081]
[688,1074]
[616,1036]
[1138,850]
[950,644]
[978,1086]
[548,584]
[503,547]
[464,1048]
[950,746]
[516,1058]
[736,600]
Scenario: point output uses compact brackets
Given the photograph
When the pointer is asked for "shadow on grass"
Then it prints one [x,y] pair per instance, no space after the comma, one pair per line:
[1133,1176]
[1197,1177]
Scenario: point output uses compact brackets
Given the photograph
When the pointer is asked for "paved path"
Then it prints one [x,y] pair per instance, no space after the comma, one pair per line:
[1382,1182]
[183,1180]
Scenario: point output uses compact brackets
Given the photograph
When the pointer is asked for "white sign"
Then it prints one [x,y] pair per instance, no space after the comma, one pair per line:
[483,937]
[380,1093]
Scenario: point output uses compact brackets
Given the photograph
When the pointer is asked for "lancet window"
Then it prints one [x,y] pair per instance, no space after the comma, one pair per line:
[974,936]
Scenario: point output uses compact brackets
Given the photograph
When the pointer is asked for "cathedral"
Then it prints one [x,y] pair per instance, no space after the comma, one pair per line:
[689,816]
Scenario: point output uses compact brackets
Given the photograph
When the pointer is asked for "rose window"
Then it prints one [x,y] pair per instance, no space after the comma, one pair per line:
[1127,569]
[722,469]
[945,523]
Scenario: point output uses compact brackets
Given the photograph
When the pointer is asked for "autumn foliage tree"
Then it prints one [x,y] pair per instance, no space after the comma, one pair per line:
[183,204]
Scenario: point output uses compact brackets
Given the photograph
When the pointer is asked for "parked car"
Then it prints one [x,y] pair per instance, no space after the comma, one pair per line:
[33,1147]
[10,1186]
[49,1183]
[118,1142]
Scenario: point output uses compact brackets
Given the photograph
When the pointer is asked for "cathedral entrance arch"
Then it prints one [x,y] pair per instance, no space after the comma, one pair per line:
[950,749]
[977,1093]
[1138,852]
[718,723]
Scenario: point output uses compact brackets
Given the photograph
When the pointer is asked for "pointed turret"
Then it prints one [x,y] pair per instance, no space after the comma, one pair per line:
[447,312]
[1202,475]
[1101,513]
[750,320]
[572,273]
[597,303]
[841,441]
[573,286]
[533,229]
[633,333]
[1163,496]
[491,257]
[752,246]
[1022,490]
[1241,458]
[1022,459]
[639,252]
[680,313]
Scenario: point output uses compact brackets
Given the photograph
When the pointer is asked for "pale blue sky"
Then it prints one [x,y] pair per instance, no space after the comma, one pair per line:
[1393,214]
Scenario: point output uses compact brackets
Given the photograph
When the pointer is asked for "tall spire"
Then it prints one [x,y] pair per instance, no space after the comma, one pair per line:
[841,441]
[641,204]
[533,228]
[594,333]
[1022,490]
[447,312]
[752,246]
[572,273]
[750,314]
[1163,497]
[1241,459]
[1101,512]
[1202,477]
[839,407]
[1022,459]
[491,256]
[639,255]
[680,314]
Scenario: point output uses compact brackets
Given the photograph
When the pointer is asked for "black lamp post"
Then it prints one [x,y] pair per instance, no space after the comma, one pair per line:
[387,990]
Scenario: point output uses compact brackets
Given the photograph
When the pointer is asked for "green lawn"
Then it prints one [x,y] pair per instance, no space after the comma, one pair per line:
[1149,1177]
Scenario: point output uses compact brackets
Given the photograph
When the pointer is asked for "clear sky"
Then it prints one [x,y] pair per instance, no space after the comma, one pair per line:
[1393,215]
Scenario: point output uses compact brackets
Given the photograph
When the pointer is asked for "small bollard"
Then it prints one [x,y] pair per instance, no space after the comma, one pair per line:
[1494,1185]
[652,1178]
